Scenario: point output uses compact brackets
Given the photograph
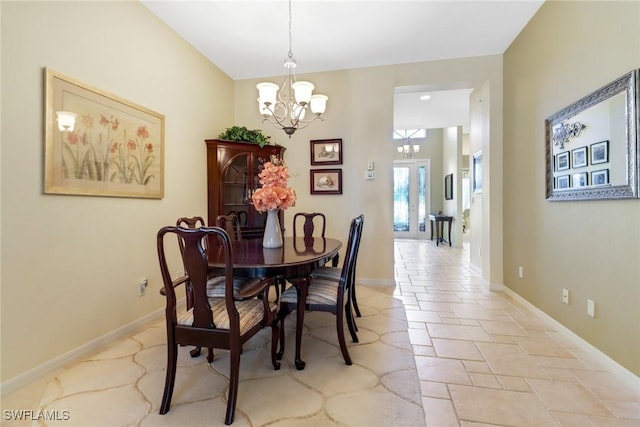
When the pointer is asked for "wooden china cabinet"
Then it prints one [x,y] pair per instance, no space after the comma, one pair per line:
[232,177]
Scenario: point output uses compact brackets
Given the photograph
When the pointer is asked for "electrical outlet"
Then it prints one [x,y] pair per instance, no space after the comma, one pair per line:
[565,295]
[142,287]
[520,272]
[591,308]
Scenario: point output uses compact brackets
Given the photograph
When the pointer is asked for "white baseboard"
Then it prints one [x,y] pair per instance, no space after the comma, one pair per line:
[608,363]
[79,353]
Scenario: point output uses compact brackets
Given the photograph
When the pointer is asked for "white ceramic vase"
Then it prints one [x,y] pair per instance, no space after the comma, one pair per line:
[272,233]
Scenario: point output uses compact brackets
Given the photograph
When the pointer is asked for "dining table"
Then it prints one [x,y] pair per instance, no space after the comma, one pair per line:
[294,262]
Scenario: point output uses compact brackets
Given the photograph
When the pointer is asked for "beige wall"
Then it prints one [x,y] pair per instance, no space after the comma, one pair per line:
[590,247]
[71,264]
[452,163]
[360,111]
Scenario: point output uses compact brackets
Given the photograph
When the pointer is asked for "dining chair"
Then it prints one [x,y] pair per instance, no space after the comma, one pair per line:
[311,219]
[221,322]
[215,283]
[329,295]
[231,225]
[243,217]
[333,273]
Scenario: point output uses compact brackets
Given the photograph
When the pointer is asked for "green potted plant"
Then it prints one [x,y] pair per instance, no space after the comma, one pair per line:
[241,133]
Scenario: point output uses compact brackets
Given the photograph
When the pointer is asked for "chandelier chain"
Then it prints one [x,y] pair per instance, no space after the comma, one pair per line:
[290,34]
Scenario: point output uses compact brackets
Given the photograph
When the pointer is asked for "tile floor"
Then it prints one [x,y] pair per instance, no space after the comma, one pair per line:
[455,355]
[485,359]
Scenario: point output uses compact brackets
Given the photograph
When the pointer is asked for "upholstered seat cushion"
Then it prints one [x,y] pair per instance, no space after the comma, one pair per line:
[251,313]
[328,273]
[322,292]
[243,288]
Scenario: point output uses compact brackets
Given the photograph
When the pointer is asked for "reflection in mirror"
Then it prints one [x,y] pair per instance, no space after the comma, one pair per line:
[592,145]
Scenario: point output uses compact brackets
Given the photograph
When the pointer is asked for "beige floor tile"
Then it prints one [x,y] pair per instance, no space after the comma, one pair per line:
[459,332]
[442,370]
[509,359]
[456,349]
[500,407]
[434,389]
[542,346]
[484,380]
[569,397]
[439,412]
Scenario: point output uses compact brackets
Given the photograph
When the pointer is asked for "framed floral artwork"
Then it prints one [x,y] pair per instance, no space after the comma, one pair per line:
[97,144]
[326,152]
[326,181]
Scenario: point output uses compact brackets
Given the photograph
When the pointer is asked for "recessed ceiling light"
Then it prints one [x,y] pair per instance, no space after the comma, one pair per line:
[425,97]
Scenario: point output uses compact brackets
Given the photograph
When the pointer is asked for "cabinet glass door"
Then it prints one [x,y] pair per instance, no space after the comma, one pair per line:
[237,190]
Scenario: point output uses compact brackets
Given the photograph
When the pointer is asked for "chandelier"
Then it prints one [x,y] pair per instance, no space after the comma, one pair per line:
[285,106]
[408,150]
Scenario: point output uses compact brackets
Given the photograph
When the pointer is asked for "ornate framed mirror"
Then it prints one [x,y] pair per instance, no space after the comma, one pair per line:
[592,145]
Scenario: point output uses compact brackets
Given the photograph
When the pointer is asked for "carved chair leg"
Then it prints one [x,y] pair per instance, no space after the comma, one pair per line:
[351,323]
[275,335]
[354,301]
[172,359]
[282,314]
[341,340]
[234,375]
[210,355]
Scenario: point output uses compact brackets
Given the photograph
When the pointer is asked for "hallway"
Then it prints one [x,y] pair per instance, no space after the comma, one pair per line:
[485,359]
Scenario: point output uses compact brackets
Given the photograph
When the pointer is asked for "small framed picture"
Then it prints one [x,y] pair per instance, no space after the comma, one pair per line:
[326,181]
[600,152]
[326,152]
[579,157]
[580,179]
[448,187]
[562,161]
[600,177]
[563,182]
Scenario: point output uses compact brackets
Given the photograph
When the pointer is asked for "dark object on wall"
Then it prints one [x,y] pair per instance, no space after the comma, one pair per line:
[448,187]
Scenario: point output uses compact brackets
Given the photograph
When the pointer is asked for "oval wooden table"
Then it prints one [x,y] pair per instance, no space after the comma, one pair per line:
[294,261]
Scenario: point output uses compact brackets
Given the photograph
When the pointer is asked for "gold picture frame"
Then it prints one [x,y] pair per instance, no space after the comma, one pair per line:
[110,147]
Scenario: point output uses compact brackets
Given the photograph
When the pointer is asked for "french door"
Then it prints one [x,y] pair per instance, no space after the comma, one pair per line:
[411,198]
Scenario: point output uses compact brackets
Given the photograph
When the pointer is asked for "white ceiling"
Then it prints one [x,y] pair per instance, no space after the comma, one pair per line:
[249,39]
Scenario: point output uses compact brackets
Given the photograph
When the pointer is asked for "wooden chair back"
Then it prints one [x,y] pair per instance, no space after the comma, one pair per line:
[231,224]
[309,225]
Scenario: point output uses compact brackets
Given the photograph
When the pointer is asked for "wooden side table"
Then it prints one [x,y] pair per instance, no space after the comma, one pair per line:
[438,221]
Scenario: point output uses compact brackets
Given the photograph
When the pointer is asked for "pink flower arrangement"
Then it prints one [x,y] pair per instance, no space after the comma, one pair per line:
[274,194]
